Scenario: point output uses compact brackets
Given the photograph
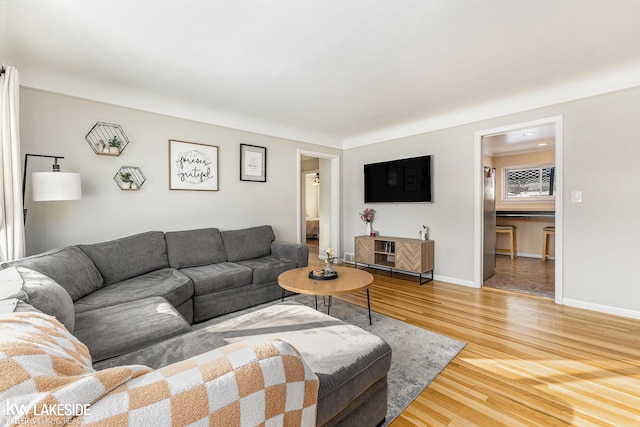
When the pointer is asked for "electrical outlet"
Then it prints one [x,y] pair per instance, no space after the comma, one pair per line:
[576,197]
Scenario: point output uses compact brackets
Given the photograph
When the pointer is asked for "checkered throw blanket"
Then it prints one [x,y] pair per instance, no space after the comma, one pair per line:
[47,379]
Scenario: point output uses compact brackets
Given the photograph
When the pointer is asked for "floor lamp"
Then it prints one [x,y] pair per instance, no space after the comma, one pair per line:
[55,184]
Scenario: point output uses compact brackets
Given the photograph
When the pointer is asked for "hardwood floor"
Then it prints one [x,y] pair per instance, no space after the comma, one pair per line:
[527,360]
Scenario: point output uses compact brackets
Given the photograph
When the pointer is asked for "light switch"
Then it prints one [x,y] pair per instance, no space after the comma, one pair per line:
[576,197]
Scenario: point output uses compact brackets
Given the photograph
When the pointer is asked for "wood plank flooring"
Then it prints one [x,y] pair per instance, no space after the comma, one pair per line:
[527,360]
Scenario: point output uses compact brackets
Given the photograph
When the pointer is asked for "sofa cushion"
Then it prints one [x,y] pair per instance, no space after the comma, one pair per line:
[216,277]
[128,257]
[248,243]
[47,296]
[268,269]
[70,267]
[195,247]
[118,329]
[168,283]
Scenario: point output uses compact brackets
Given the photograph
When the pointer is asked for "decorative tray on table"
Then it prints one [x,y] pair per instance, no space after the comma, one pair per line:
[321,274]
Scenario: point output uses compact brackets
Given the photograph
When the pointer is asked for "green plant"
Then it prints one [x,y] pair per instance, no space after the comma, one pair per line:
[126,177]
[115,142]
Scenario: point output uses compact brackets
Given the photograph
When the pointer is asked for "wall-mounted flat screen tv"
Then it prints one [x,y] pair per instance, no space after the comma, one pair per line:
[405,180]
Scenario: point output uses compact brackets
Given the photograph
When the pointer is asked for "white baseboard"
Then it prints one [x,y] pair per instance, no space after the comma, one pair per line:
[525,255]
[455,281]
[633,314]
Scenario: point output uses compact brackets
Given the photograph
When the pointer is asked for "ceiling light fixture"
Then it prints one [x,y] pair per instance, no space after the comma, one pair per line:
[528,133]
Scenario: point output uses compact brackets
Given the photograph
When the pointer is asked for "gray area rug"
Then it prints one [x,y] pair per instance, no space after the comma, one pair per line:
[418,355]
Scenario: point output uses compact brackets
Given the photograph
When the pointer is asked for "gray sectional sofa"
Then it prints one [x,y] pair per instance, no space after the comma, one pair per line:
[145,299]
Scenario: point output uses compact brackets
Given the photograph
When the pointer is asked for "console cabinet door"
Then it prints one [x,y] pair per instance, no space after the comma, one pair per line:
[364,250]
[409,256]
[416,257]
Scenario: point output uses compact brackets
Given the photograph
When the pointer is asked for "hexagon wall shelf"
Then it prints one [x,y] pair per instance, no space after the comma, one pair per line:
[134,173]
[107,139]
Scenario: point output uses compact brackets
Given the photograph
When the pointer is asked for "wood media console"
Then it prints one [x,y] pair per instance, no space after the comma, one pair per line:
[396,253]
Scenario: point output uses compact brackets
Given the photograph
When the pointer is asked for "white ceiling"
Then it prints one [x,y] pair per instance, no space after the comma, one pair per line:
[525,140]
[337,72]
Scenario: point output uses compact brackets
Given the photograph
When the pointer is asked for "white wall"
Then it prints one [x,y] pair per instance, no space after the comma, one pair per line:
[450,215]
[56,125]
[601,158]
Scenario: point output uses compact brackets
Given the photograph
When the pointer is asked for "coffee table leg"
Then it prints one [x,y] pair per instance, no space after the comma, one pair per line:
[329,306]
[369,305]
[282,297]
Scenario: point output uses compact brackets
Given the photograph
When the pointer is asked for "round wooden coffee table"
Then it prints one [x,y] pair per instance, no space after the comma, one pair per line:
[349,280]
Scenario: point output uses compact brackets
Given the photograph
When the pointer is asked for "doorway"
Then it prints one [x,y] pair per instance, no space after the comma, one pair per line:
[519,153]
[323,170]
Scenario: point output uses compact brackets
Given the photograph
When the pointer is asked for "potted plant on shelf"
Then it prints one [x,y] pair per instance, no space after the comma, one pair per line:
[114,145]
[127,180]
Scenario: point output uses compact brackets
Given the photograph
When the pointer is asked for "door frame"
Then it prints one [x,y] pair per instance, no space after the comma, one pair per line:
[478,211]
[335,225]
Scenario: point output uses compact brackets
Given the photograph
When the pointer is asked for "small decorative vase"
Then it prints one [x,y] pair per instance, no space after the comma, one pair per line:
[369,229]
[328,268]
[114,150]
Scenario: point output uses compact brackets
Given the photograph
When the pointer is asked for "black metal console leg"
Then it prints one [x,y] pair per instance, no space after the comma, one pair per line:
[282,297]
[369,306]
[329,306]
[428,279]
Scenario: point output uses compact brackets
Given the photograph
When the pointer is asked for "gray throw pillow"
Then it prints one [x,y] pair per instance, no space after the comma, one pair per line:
[47,296]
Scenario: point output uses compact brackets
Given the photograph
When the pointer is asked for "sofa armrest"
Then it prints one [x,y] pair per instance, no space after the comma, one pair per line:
[292,251]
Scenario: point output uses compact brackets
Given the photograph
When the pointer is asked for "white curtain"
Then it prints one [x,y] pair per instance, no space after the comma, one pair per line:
[11,213]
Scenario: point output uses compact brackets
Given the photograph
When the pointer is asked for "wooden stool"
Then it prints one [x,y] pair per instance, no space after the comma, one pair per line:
[547,231]
[511,230]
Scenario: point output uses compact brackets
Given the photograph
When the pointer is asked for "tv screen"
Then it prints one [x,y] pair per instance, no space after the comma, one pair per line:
[405,180]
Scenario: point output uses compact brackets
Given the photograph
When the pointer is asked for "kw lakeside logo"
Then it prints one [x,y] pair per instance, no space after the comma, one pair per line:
[51,414]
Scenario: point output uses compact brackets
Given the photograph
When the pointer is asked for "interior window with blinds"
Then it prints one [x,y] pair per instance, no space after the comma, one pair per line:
[527,183]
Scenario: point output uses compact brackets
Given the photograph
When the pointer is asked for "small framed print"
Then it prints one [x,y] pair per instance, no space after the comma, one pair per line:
[253,163]
[193,166]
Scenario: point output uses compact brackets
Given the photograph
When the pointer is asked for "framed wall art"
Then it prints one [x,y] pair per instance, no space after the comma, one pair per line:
[193,166]
[253,163]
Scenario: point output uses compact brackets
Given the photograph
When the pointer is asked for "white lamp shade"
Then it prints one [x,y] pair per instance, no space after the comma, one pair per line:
[56,186]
